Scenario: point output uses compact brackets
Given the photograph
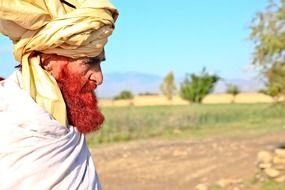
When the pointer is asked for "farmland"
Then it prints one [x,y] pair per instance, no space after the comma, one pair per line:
[188,121]
[180,146]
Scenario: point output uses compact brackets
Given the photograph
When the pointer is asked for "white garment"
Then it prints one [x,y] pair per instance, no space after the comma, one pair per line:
[36,151]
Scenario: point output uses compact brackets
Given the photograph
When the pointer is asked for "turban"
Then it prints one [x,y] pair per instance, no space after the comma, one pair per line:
[72,28]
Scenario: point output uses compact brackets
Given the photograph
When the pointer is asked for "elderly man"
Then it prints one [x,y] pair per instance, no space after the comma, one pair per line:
[48,105]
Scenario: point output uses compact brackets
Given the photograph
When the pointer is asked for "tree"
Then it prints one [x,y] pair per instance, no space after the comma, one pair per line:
[275,84]
[195,87]
[268,35]
[168,86]
[124,95]
[233,90]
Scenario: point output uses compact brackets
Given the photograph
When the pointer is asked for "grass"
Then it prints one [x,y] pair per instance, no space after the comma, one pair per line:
[191,121]
[272,185]
[267,185]
[216,187]
[254,184]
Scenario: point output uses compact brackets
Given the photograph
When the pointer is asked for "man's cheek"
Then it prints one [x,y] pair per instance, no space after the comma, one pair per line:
[70,82]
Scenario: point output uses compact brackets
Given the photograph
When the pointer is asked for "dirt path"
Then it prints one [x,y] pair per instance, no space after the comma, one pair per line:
[179,165]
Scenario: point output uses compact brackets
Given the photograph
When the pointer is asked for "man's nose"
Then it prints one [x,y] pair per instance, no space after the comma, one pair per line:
[97,76]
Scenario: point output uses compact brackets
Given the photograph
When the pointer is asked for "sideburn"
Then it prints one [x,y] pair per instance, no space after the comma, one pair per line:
[82,109]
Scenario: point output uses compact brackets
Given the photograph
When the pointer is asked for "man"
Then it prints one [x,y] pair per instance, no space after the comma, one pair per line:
[48,105]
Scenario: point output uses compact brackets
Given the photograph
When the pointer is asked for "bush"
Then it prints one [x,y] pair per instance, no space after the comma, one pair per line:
[168,86]
[232,89]
[124,95]
[195,87]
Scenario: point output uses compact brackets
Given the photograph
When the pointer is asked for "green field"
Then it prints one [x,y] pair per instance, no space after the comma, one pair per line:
[188,122]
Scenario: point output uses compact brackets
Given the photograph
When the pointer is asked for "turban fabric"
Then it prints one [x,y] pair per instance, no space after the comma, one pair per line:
[77,28]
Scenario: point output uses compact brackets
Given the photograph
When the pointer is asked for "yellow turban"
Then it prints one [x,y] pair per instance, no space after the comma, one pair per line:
[72,28]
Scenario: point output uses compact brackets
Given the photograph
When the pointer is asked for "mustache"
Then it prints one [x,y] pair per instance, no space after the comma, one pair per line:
[88,87]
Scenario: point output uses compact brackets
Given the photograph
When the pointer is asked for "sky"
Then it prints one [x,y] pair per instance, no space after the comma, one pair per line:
[182,36]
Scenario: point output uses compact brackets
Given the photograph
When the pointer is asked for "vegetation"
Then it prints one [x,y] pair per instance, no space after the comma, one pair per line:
[124,95]
[195,87]
[233,90]
[168,86]
[275,75]
[195,121]
[148,94]
[255,184]
[267,32]
[270,185]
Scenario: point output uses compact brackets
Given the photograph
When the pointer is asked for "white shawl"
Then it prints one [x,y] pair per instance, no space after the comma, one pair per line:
[36,151]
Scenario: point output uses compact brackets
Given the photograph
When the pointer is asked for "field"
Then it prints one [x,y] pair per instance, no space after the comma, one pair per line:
[209,99]
[190,121]
[178,147]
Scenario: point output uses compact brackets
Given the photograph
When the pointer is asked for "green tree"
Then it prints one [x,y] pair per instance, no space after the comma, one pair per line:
[268,35]
[233,90]
[124,95]
[168,86]
[275,84]
[195,87]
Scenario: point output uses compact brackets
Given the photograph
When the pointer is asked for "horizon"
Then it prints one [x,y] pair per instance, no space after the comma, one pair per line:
[195,35]
[137,83]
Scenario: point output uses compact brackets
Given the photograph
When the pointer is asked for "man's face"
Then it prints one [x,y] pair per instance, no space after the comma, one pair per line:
[77,80]
[88,70]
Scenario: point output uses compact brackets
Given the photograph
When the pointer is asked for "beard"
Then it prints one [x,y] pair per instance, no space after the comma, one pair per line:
[81,102]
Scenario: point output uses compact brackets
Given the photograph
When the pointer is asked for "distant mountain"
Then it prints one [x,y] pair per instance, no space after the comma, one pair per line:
[137,83]
[245,85]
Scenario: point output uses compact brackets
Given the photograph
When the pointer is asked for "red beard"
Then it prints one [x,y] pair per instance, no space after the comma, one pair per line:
[81,102]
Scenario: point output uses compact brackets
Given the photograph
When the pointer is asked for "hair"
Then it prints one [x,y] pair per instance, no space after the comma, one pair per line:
[1,78]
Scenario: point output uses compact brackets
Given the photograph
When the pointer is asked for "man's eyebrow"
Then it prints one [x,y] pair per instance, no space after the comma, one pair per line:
[95,60]
[99,57]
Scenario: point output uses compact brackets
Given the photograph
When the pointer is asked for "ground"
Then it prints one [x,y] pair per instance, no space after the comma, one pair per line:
[180,164]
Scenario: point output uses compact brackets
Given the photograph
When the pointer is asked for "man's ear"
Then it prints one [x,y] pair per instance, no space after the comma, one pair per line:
[54,63]
[45,59]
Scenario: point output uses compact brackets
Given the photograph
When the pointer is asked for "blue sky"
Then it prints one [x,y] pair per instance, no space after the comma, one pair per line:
[183,36]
